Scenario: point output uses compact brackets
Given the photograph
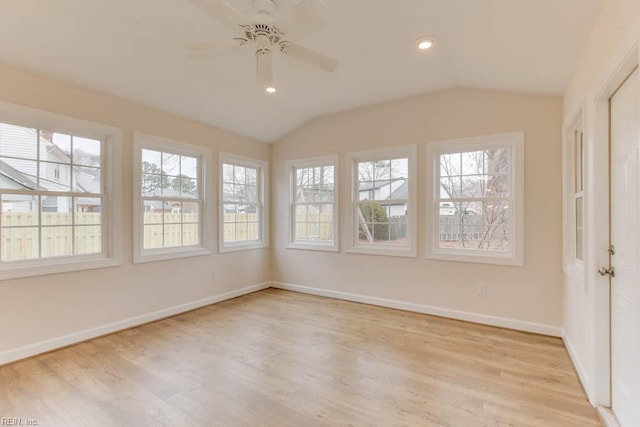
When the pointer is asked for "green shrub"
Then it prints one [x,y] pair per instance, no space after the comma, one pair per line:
[374,213]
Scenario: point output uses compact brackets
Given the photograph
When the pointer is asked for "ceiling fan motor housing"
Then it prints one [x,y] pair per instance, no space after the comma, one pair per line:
[257,32]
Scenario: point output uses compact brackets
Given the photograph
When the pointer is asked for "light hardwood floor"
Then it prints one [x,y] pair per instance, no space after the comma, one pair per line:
[277,358]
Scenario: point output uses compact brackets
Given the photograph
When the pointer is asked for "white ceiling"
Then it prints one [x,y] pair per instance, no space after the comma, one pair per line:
[134,49]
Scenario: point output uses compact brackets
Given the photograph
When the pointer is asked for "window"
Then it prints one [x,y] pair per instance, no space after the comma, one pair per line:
[574,167]
[171,199]
[56,193]
[313,213]
[578,191]
[383,208]
[476,206]
[243,213]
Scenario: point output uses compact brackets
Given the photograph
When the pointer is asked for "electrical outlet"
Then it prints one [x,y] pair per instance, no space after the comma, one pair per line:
[482,289]
[213,275]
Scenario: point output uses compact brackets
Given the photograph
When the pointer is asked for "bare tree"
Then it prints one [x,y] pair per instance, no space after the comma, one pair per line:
[239,185]
[374,171]
[479,184]
[315,184]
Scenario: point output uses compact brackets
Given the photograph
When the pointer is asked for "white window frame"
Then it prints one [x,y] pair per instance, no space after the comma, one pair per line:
[357,247]
[111,157]
[578,134]
[311,162]
[515,255]
[145,141]
[573,266]
[263,202]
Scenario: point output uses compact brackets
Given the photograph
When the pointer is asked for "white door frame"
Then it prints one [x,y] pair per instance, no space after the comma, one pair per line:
[598,232]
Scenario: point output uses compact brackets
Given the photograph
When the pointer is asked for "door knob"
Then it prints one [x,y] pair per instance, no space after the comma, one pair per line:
[611,272]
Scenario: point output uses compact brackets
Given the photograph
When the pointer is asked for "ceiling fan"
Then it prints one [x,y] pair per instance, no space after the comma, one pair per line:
[267,33]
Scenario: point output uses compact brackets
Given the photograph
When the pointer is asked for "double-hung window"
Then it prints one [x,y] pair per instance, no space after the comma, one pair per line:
[243,210]
[383,201]
[578,192]
[56,193]
[476,205]
[171,199]
[313,211]
[574,226]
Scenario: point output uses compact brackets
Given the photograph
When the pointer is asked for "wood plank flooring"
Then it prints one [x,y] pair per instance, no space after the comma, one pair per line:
[278,358]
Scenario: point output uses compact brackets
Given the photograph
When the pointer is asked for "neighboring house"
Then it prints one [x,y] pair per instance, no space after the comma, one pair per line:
[12,179]
[237,208]
[158,206]
[18,154]
[397,189]
[317,193]
[400,193]
[379,190]
[172,206]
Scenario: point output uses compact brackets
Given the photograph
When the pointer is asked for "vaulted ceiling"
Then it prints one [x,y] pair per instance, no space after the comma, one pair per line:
[135,50]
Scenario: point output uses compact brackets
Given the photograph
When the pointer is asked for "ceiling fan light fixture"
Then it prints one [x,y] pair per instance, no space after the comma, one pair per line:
[425,42]
[265,70]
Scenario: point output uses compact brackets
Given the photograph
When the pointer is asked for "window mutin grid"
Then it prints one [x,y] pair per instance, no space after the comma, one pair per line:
[474,199]
[383,199]
[51,194]
[242,203]
[383,205]
[171,199]
[578,192]
[241,200]
[312,205]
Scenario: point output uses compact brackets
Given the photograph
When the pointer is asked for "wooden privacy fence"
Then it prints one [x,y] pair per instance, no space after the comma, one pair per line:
[180,229]
[25,219]
[240,227]
[451,230]
[314,227]
[397,227]
[21,239]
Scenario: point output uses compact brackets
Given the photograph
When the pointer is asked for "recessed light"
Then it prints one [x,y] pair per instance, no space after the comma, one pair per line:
[270,89]
[425,42]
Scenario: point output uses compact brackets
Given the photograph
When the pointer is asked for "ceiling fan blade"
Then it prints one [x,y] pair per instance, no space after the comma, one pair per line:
[309,56]
[215,45]
[306,18]
[221,9]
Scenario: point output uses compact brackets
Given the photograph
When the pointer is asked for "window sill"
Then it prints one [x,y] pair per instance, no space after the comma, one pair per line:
[313,247]
[477,257]
[383,251]
[243,247]
[54,266]
[169,254]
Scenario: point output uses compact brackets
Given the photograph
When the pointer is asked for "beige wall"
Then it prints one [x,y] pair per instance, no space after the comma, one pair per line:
[36,309]
[47,307]
[529,294]
[614,35]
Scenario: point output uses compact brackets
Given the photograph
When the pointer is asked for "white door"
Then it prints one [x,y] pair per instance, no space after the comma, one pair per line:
[625,236]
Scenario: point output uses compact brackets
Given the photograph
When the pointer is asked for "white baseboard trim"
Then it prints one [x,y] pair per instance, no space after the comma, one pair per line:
[87,334]
[607,417]
[577,364]
[484,319]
